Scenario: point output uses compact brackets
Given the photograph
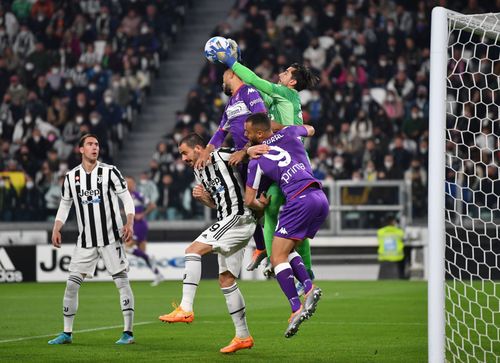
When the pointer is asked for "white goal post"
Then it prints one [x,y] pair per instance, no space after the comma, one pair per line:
[464,159]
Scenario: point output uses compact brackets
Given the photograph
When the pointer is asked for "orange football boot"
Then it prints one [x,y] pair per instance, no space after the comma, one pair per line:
[238,344]
[178,316]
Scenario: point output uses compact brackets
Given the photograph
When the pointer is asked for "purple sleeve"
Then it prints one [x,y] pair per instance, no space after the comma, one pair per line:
[254,174]
[219,136]
[296,131]
[255,101]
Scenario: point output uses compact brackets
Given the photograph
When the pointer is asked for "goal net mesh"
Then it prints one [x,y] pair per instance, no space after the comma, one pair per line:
[472,265]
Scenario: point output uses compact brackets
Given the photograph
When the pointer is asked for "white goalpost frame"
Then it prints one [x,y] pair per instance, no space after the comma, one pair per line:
[437,161]
[436,211]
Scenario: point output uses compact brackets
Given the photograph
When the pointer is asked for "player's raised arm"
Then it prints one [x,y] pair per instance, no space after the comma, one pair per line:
[310,130]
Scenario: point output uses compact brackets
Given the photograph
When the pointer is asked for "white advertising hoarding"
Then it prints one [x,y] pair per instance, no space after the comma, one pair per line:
[52,263]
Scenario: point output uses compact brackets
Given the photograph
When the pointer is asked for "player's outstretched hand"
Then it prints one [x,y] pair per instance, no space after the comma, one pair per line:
[237,157]
[203,159]
[257,150]
[127,233]
[56,239]
[224,55]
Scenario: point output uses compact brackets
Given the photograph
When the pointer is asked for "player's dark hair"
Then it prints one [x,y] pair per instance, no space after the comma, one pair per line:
[260,120]
[192,140]
[85,137]
[305,78]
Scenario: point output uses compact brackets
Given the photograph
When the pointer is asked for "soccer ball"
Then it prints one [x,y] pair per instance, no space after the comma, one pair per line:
[217,42]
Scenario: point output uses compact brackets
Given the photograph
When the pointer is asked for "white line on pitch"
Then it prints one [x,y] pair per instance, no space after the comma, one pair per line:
[77,331]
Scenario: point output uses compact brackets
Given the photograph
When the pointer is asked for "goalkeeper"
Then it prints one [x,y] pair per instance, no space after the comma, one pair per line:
[283,103]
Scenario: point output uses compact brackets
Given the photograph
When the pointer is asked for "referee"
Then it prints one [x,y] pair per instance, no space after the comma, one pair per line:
[94,188]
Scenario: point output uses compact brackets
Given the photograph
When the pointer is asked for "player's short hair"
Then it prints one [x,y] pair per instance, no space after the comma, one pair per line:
[192,140]
[260,120]
[85,137]
[304,76]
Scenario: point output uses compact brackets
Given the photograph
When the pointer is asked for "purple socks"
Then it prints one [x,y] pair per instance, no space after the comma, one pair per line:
[299,270]
[284,275]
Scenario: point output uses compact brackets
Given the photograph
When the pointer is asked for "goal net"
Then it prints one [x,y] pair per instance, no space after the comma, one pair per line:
[466,135]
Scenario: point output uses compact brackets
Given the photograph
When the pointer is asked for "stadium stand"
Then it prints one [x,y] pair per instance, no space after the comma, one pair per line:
[71,67]
[370,109]
[68,68]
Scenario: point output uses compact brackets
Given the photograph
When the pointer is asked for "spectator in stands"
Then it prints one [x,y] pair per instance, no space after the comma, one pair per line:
[8,199]
[52,197]
[16,91]
[130,23]
[21,9]
[416,175]
[389,171]
[30,205]
[402,157]
[23,129]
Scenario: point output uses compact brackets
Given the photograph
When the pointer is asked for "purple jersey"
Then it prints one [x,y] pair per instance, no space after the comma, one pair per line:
[140,202]
[245,101]
[286,163]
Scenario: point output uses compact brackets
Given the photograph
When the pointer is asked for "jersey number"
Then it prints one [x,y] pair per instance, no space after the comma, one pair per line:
[214,227]
[283,156]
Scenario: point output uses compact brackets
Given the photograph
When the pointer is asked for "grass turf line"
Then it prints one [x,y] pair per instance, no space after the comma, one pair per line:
[377,321]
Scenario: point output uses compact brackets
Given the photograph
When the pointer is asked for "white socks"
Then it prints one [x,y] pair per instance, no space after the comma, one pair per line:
[236,307]
[192,276]
[126,299]
[70,300]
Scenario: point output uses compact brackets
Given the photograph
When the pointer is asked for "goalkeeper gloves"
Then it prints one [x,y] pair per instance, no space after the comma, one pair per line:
[224,56]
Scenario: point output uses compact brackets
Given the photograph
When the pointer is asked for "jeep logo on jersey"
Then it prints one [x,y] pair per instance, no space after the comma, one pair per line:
[89,193]
[8,272]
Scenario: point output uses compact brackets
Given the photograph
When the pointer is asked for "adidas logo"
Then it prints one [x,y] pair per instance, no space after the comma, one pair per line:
[283,230]
[8,272]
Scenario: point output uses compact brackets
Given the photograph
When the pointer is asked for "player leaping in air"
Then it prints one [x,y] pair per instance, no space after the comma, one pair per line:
[220,187]
[245,100]
[303,213]
[283,102]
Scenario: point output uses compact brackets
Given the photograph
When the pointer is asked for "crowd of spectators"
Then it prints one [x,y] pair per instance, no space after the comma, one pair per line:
[68,68]
[370,109]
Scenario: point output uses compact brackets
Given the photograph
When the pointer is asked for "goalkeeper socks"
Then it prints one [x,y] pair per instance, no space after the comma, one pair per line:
[192,276]
[236,307]
[284,275]
[258,237]
[70,300]
[299,270]
[126,299]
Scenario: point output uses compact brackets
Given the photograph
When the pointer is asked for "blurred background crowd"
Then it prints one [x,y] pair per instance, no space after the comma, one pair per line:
[70,67]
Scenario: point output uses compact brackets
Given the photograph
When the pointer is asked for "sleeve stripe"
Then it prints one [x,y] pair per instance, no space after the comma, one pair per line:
[119,176]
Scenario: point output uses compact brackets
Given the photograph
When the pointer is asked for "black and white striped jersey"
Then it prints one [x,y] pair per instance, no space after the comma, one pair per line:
[96,203]
[224,184]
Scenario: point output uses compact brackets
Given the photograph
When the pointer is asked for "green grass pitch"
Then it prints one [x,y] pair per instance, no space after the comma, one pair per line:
[379,321]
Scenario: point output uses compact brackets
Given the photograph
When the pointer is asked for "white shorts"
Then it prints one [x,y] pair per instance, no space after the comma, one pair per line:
[228,238]
[84,260]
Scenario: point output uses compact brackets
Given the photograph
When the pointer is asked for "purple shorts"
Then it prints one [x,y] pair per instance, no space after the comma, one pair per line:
[140,230]
[303,216]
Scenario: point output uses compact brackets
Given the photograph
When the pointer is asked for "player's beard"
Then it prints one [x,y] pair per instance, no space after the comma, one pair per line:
[227,90]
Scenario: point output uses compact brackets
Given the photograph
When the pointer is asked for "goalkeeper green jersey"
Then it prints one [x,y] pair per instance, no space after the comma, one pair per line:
[282,102]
